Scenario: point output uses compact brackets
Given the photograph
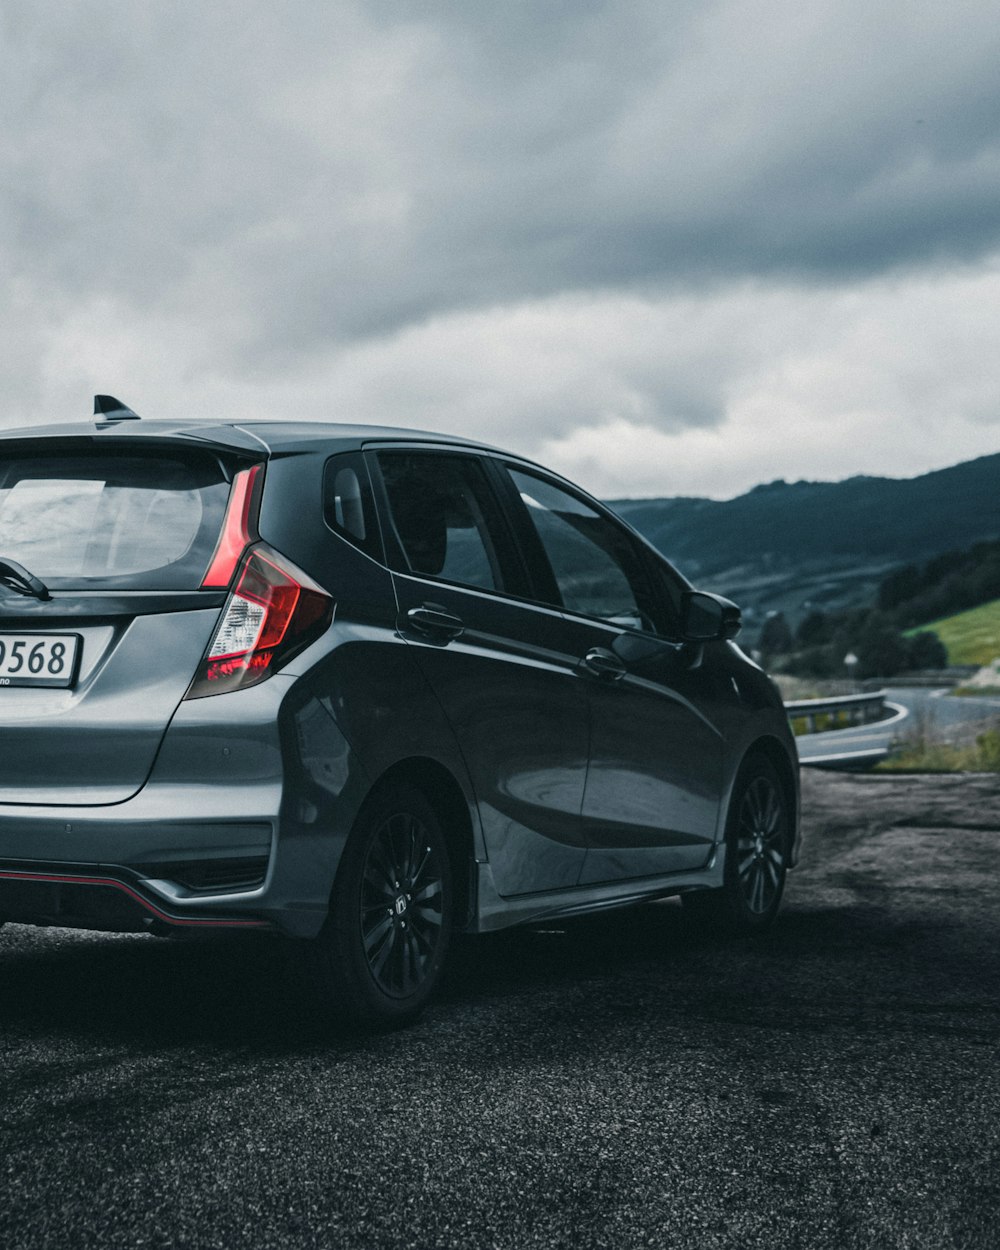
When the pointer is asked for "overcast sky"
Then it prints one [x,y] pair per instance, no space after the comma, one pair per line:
[666,248]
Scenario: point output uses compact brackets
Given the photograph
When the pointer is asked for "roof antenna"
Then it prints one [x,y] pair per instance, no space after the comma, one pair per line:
[112,409]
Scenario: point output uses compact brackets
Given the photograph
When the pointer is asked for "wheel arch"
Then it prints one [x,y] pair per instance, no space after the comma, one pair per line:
[444,793]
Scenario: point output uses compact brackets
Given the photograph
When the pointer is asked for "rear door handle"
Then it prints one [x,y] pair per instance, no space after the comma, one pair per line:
[604,663]
[434,621]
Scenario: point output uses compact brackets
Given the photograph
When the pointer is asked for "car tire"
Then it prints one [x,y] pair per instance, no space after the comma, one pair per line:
[758,841]
[382,949]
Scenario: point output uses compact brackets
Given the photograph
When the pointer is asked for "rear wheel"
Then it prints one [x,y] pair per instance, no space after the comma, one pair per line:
[382,950]
[758,837]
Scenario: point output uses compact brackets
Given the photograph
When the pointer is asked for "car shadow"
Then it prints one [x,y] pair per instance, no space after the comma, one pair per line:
[815,968]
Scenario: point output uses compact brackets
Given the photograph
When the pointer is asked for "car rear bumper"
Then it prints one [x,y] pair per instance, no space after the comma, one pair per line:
[227,832]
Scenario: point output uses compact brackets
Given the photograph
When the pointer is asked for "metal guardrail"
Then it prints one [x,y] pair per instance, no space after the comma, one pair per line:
[842,711]
[846,732]
[851,761]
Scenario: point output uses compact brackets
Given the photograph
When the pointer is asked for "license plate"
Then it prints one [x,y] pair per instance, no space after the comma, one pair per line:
[38,659]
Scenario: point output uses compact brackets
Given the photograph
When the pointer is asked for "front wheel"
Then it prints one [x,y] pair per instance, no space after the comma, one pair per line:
[382,951]
[758,838]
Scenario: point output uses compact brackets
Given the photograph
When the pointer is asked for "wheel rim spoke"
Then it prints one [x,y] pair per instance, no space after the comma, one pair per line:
[376,933]
[381,958]
[421,867]
[413,962]
[759,793]
[431,890]
[379,870]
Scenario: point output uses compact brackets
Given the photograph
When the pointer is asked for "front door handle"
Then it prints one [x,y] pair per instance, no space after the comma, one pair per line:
[604,663]
[435,621]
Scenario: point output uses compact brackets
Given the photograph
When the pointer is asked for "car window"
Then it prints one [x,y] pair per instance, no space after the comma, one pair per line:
[347,502]
[596,565]
[438,506]
[135,521]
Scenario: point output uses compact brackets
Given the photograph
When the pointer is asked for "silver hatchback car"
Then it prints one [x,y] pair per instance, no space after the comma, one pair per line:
[365,688]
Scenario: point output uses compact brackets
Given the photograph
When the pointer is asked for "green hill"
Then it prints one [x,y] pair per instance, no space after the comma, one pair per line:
[972,637]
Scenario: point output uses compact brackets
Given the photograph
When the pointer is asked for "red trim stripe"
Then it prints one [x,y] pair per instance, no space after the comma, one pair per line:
[120,885]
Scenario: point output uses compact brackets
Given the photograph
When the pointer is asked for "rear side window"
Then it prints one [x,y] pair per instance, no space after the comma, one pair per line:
[439,505]
[347,502]
[107,521]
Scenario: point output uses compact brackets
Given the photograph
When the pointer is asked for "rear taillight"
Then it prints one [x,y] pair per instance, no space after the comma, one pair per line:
[237,529]
[273,611]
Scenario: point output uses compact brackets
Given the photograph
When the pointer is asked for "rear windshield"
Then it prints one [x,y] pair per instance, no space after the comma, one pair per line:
[89,521]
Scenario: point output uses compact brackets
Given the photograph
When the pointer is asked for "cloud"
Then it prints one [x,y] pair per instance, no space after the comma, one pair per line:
[667,246]
[695,394]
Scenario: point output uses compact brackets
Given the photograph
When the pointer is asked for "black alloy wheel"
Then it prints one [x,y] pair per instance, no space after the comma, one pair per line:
[758,839]
[759,845]
[402,897]
[382,950]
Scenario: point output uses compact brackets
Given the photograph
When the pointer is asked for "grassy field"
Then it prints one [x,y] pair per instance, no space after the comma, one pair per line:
[971,637]
[923,753]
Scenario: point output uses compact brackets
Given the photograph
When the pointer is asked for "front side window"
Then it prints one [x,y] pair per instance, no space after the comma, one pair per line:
[596,566]
[134,521]
[438,505]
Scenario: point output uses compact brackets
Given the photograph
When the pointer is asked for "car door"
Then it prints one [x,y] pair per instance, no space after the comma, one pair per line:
[653,788]
[493,659]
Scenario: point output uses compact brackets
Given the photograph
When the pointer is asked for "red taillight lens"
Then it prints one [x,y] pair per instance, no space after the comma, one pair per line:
[273,611]
[237,530]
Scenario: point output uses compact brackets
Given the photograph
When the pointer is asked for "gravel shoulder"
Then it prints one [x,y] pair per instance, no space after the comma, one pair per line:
[619,1081]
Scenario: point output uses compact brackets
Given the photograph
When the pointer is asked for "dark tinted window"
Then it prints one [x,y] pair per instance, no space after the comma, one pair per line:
[347,502]
[597,567]
[134,521]
[438,505]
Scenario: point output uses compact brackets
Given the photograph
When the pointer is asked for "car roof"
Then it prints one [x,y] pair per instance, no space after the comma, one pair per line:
[274,436]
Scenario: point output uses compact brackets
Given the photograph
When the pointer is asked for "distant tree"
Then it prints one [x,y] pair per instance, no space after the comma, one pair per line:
[926,650]
[900,585]
[942,566]
[814,628]
[775,635]
[820,661]
[881,649]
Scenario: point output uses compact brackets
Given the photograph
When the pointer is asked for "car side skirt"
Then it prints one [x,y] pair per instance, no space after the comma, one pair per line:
[494,912]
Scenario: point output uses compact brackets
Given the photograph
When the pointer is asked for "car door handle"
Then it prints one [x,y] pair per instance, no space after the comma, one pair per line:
[604,663]
[430,619]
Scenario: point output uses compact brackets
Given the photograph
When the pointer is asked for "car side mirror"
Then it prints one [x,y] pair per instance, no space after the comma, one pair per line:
[708,618]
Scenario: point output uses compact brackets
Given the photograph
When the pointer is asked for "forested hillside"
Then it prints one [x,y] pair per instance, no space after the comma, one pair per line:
[882,634]
[800,545]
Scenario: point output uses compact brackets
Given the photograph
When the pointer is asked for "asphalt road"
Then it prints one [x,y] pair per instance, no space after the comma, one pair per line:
[947,713]
[617,1082]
